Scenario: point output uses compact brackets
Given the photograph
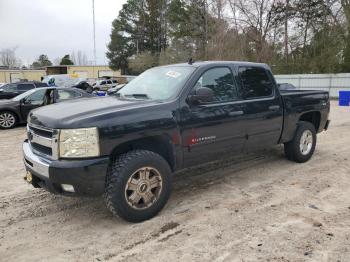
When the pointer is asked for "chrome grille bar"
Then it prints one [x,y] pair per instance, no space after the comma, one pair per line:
[46,138]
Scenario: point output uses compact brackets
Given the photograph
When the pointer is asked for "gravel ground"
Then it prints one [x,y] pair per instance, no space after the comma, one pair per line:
[257,207]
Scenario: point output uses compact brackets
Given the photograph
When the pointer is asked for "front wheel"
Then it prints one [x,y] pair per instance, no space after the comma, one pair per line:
[138,185]
[7,120]
[302,147]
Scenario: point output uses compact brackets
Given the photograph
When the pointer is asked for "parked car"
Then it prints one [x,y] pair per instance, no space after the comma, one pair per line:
[286,86]
[83,85]
[16,110]
[115,90]
[11,90]
[127,147]
[104,84]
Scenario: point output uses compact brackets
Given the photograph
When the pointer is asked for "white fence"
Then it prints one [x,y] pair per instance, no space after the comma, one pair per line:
[328,82]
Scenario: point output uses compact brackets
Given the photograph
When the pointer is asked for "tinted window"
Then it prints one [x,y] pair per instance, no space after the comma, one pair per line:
[37,98]
[67,94]
[39,84]
[255,82]
[25,87]
[103,82]
[220,80]
[9,88]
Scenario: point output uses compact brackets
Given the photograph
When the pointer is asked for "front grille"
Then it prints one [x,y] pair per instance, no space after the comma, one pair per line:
[42,149]
[43,141]
[43,132]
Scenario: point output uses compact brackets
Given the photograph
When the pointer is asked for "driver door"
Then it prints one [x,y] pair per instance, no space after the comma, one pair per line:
[214,129]
[33,101]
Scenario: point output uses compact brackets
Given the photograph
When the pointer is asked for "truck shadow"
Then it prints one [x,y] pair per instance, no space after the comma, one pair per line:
[187,183]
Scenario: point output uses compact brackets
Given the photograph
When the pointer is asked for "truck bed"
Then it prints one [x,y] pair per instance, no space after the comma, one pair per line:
[296,103]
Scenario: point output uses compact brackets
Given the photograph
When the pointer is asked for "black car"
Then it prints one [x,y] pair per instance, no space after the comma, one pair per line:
[14,111]
[12,90]
[83,85]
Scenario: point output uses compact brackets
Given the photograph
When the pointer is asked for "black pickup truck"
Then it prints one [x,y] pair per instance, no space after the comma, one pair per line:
[127,147]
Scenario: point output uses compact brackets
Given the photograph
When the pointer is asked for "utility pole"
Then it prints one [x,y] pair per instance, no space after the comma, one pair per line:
[94,30]
[94,35]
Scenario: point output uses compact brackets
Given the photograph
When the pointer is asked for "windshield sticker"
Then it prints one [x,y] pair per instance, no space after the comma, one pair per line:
[173,74]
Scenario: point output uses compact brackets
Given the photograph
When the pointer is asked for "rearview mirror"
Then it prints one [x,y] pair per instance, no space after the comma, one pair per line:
[202,95]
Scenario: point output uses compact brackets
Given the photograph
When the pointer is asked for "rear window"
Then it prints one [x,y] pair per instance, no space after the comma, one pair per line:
[255,82]
[25,87]
[41,84]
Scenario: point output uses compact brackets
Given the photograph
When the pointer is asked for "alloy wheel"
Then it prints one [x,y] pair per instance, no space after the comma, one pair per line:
[7,120]
[143,188]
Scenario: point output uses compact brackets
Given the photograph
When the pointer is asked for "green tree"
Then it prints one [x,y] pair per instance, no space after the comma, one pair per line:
[66,60]
[42,61]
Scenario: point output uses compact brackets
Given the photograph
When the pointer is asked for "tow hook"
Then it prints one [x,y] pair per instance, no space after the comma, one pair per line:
[28,177]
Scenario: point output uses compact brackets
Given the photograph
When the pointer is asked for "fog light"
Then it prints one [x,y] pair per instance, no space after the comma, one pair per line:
[68,188]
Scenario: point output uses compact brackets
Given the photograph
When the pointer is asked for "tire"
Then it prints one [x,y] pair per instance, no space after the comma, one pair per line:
[127,190]
[8,120]
[302,147]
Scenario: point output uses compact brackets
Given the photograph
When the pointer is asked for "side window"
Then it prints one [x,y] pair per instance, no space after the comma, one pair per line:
[25,87]
[67,94]
[9,88]
[37,98]
[103,82]
[255,82]
[39,84]
[220,80]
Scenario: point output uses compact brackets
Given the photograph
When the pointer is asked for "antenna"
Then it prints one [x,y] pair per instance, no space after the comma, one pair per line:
[190,61]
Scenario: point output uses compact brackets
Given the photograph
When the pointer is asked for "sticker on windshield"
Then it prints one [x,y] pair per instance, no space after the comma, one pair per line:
[173,74]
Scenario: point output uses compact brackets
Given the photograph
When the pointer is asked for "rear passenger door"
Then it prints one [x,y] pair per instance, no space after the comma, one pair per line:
[262,107]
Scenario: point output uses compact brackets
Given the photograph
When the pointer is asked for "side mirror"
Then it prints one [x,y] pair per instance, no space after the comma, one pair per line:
[202,95]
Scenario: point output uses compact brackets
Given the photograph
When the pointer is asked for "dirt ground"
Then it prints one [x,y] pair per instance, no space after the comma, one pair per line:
[257,207]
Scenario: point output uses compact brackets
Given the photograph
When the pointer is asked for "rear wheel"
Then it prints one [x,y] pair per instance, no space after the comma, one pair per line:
[302,147]
[7,120]
[138,185]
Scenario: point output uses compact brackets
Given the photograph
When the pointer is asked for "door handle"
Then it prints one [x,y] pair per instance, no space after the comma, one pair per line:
[274,108]
[236,113]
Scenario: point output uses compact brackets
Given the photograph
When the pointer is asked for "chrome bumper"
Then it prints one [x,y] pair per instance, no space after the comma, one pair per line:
[35,163]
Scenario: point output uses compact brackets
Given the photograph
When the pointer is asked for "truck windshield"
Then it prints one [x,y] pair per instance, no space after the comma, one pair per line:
[159,83]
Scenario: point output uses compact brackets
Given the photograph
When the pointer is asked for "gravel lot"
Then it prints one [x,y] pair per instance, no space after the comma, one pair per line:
[257,207]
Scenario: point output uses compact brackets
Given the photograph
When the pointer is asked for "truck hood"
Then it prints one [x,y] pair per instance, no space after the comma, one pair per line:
[83,112]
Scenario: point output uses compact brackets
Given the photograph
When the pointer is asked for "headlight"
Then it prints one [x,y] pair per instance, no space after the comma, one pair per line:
[79,143]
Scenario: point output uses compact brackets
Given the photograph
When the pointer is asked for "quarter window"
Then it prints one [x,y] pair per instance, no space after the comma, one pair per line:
[220,80]
[255,82]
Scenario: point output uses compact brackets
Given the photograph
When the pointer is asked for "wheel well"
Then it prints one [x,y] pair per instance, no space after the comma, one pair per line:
[160,145]
[313,118]
[13,112]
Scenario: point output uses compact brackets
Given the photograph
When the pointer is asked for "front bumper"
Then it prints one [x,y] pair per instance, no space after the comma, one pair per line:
[86,176]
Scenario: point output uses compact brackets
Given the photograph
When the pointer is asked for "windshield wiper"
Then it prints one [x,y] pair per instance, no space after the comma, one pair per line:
[137,96]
